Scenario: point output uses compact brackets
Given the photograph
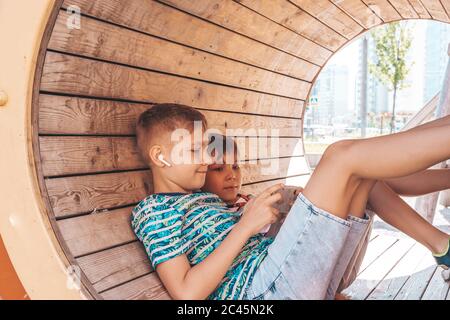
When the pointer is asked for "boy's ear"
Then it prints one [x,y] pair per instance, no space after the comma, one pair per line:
[153,154]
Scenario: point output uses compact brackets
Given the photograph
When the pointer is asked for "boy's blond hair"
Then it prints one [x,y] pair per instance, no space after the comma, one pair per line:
[163,118]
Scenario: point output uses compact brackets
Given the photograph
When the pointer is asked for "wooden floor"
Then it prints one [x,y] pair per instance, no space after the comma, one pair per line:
[397,268]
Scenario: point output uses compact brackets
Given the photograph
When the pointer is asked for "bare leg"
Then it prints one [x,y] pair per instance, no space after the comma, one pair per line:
[396,212]
[392,209]
[360,198]
[346,267]
[421,183]
[435,123]
[345,163]
[426,181]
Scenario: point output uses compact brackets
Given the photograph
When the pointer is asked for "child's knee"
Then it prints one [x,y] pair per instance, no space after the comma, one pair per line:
[339,152]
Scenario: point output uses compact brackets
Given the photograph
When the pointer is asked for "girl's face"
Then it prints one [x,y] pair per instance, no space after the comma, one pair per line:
[224,179]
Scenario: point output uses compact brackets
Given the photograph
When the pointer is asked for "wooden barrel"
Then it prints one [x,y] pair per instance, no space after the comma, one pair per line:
[245,64]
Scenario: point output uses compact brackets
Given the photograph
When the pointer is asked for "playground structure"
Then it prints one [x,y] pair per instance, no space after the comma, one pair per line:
[82,72]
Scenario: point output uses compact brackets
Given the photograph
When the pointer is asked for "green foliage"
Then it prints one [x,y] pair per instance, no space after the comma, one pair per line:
[392,43]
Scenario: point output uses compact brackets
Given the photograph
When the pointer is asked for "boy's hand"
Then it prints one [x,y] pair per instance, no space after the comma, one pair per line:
[259,211]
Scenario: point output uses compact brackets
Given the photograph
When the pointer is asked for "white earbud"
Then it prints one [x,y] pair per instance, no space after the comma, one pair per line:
[161,158]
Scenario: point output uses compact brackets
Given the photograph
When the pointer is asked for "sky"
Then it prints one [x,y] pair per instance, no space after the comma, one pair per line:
[410,99]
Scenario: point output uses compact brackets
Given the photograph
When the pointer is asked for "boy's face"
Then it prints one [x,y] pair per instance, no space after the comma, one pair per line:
[190,174]
[224,179]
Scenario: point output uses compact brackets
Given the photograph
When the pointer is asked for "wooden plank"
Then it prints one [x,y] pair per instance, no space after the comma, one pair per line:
[383,9]
[436,10]
[331,15]
[359,12]
[253,125]
[110,268]
[298,20]
[231,15]
[108,42]
[70,115]
[418,281]
[77,76]
[405,9]
[84,194]
[437,288]
[373,235]
[446,5]
[99,231]
[390,286]
[420,9]
[377,247]
[376,272]
[148,287]
[61,155]
[171,24]
[79,155]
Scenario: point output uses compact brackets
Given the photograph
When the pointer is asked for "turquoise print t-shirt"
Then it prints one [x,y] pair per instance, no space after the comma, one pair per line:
[195,224]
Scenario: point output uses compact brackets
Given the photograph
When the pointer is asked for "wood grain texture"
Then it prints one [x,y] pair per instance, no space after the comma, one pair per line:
[404,8]
[65,155]
[420,9]
[79,155]
[70,115]
[359,12]
[148,287]
[436,9]
[113,267]
[108,42]
[67,74]
[84,194]
[383,9]
[96,232]
[298,20]
[165,22]
[238,18]
[331,15]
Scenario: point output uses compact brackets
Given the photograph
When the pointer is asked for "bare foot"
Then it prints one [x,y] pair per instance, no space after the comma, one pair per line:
[341,296]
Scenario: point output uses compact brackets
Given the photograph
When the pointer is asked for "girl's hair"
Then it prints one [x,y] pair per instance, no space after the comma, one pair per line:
[221,145]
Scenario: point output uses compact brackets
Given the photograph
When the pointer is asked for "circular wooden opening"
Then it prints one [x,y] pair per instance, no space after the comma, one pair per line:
[245,64]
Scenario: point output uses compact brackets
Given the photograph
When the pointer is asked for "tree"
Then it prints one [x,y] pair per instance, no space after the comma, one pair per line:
[392,44]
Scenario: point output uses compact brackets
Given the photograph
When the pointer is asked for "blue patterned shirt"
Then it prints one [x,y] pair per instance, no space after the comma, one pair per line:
[195,224]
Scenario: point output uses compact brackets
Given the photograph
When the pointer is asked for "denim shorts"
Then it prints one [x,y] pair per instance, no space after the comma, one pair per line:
[309,255]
